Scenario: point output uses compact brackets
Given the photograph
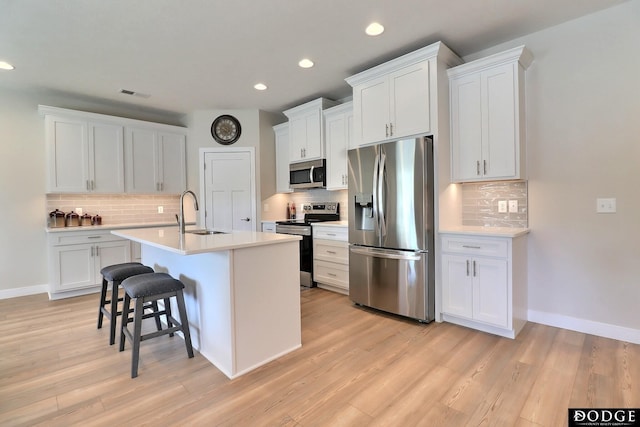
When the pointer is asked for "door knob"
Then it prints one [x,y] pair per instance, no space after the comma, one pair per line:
[245,219]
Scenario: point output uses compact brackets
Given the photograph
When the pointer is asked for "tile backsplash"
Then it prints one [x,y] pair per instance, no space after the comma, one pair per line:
[480,204]
[119,208]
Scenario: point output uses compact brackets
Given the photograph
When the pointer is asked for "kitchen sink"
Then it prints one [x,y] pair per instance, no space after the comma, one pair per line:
[204,232]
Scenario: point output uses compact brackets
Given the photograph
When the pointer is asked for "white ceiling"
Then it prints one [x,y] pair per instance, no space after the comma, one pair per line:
[207,54]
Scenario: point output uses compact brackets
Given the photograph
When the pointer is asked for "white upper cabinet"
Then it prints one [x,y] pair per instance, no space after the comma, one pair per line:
[306,130]
[83,156]
[397,99]
[487,117]
[155,161]
[338,123]
[282,158]
[97,153]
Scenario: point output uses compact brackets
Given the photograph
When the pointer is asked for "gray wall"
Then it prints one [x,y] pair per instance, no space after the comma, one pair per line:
[583,126]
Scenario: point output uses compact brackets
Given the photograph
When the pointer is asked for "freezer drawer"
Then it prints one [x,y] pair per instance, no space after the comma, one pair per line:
[394,281]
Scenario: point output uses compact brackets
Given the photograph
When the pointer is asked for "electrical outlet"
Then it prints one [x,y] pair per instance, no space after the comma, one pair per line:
[160,209]
[606,205]
[79,211]
[502,206]
[513,206]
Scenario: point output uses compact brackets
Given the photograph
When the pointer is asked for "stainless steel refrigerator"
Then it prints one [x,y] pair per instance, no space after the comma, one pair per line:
[391,231]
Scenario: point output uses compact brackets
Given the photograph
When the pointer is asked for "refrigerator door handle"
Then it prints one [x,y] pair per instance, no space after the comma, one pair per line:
[387,253]
[381,195]
[375,191]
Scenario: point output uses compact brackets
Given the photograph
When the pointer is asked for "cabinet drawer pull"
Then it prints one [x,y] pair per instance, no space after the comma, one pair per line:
[478,167]
[92,247]
[474,269]
[390,129]
[386,130]
[331,252]
[94,237]
[332,275]
[331,234]
[467,267]
[485,166]
[471,247]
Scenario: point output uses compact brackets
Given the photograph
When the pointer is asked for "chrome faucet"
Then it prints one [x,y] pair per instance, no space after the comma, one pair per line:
[181,221]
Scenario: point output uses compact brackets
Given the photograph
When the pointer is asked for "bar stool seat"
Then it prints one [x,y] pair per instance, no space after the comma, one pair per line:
[115,274]
[146,288]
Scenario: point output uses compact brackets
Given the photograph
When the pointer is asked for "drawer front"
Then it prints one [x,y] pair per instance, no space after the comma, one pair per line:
[331,233]
[331,273]
[72,238]
[490,246]
[331,250]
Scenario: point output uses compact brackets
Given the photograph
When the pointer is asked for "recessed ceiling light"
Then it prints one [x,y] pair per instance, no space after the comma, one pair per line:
[374,29]
[260,86]
[6,66]
[306,63]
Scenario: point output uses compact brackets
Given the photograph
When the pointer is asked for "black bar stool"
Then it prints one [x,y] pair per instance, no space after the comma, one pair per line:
[146,288]
[115,274]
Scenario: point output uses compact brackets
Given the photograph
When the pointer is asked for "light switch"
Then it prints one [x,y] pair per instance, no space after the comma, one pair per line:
[513,206]
[606,205]
[160,209]
[502,206]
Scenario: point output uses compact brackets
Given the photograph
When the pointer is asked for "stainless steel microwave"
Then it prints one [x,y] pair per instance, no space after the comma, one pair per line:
[309,174]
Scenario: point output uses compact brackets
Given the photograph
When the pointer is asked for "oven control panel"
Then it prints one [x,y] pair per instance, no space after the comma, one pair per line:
[321,208]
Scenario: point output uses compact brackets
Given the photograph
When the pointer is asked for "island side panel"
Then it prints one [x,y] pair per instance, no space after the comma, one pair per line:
[266,293]
[208,299]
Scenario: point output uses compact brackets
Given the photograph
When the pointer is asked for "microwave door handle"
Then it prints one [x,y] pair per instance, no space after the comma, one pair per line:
[311,174]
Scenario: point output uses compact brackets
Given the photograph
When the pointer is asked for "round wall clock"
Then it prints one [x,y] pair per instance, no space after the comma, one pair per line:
[226,129]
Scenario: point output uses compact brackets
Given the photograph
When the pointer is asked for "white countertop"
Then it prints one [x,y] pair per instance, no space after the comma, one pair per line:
[485,231]
[342,224]
[113,226]
[170,239]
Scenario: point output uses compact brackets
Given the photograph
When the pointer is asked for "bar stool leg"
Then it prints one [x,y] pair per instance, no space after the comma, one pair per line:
[154,305]
[184,322]
[103,301]
[167,310]
[125,319]
[138,311]
[115,295]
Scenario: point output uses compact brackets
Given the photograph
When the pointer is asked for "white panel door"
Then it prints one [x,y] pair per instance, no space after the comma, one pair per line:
[68,156]
[171,153]
[229,194]
[371,109]
[141,161]
[490,292]
[410,109]
[499,130]
[106,158]
[457,286]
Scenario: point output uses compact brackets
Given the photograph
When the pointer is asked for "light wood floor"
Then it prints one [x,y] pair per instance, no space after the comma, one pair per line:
[356,368]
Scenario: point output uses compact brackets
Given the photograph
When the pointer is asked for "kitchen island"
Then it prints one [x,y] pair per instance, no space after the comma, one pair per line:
[241,290]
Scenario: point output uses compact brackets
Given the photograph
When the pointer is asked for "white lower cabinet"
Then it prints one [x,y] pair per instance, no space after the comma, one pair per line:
[76,258]
[268,226]
[331,258]
[484,284]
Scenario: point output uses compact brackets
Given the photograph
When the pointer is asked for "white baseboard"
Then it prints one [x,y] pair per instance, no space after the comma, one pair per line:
[606,330]
[21,292]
